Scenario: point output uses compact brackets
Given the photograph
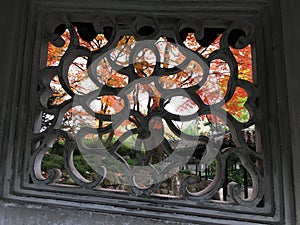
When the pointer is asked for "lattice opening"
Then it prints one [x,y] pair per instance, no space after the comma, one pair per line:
[150,113]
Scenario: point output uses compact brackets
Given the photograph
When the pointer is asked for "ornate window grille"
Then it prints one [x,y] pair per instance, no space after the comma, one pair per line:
[153,112]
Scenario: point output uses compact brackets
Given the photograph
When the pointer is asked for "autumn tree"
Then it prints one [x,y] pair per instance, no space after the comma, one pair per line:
[145,98]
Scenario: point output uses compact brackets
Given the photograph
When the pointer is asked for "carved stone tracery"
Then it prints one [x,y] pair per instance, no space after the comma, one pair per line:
[148,125]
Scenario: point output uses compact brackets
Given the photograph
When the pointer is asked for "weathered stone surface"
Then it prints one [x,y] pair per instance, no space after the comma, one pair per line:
[11,213]
[28,214]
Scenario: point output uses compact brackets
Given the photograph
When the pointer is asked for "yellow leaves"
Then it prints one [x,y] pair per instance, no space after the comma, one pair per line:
[128,40]
[235,106]
[244,60]
[58,94]
[164,65]
[55,53]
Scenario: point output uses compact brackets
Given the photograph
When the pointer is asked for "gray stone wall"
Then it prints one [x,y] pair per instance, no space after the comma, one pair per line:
[291,33]
[27,214]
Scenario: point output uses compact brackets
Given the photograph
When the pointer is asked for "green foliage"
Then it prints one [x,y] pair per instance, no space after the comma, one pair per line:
[212,169]
[237,176]
[236,173]
[123,150]
[81,165]
[234,168]
[58,148]
[132,162]
[54,159]
[185,172]
[51,161]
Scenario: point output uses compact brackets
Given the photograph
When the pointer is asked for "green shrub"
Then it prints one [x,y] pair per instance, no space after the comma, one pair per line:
[123,150]
[58,148]
[132,162]
[185,172]
[81,165]
[51,161]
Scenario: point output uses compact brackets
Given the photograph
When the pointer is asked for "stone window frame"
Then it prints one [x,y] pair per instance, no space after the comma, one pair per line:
[272,101]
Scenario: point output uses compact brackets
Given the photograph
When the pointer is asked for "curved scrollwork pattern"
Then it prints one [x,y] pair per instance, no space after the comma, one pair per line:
[137,104]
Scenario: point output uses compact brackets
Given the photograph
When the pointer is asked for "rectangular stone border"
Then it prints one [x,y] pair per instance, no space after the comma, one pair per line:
[273,105]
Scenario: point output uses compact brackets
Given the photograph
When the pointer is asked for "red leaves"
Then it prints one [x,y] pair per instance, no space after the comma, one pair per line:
[213,91]
[235,106]
[244,60]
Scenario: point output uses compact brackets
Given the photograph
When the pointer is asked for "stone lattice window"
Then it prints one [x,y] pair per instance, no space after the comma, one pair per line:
[119,109]
[159,112]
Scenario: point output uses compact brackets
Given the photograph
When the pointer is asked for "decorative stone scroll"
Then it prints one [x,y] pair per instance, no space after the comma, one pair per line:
[147,105]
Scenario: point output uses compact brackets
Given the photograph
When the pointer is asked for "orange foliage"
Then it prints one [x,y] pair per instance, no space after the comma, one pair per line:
[215,87]
[55,53]
[211,92]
